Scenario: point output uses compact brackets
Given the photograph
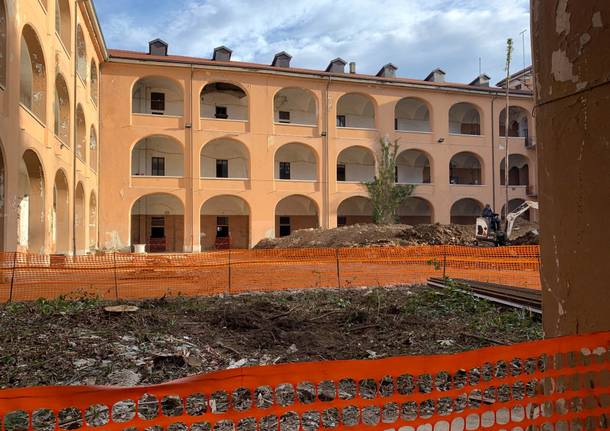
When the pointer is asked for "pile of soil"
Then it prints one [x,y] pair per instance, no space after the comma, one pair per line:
[78,342]
[370,235]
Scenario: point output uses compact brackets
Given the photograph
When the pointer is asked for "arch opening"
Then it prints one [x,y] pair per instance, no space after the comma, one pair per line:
[156,95]
[61,110]
[517,122]
[81,54]
[413,167]
[466,211]
[94,82]
[224,158]
[31,218]
[93,148]
[465,168]
[356,111]
[518,170]
[225,223]
[295,212]
[157,220]
[356,164]
[224,101]
[92,221]
[295,106]
[354,210]
[412,115]
[296,161]
[81,134]
[33,76]
[415,210]
[464,119]
[157,156]
[513,204]
[60,232]
[63,26]
[80,220]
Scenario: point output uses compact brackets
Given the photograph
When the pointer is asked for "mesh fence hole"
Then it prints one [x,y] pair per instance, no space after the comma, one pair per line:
[148,407]
[97,415]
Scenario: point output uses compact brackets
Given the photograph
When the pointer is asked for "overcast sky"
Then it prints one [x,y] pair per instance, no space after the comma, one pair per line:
[415,35]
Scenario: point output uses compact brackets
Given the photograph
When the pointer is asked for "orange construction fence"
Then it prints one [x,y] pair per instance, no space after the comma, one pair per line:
[560,384]
[131,276]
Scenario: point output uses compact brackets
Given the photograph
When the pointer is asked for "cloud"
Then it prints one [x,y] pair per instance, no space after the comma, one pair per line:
[416,37]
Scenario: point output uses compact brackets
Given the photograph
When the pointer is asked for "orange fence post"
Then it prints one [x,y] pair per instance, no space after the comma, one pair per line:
[338,269]
[10,293]
[116,284]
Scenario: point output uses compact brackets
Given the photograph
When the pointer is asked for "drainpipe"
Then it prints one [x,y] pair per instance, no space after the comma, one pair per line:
[493,153]
[192,155]
[74,129]
[326,160]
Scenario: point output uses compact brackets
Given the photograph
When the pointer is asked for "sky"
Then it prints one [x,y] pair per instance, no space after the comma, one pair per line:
[416,36]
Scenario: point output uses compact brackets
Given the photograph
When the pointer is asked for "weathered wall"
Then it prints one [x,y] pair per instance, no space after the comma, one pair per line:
[572,67]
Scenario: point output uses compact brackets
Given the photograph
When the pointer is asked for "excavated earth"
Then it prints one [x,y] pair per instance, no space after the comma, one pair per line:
[78,342]
[367,235]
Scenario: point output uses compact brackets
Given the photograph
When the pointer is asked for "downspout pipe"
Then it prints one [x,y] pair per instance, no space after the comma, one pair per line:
[74,127]
[326,161]
[493,153]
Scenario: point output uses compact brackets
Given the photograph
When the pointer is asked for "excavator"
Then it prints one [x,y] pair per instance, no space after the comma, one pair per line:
[486,235]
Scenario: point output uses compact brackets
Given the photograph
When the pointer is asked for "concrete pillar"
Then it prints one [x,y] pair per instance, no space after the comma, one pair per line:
[571,64]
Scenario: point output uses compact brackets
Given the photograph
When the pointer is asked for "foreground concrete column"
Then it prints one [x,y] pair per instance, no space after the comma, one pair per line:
[572,69]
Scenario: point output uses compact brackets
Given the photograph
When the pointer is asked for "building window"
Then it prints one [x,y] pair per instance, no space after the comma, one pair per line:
[222,169]
[341,221]
[340,171]
[221,112]
[284,116]
[395,174]
[157,102]
[222,227]
[158,166]
[340,120]
[157,227]
[284,226]
[284,170]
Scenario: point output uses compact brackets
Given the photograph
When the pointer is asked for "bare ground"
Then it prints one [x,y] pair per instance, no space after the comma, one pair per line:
[76,342]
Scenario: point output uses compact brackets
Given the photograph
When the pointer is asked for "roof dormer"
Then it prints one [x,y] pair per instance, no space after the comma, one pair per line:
[281,59]
[222,53]
[437,75]
[157,47]
[481,81]
[388,71]
[336,66]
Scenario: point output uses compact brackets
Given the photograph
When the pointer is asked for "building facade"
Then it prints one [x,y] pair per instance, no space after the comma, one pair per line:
[186,154]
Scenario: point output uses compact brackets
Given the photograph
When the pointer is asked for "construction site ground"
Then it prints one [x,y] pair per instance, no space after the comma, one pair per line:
[364,235]
[78,342]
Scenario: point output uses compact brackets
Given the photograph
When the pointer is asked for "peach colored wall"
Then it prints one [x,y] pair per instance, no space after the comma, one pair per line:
[21,130]
[262,137]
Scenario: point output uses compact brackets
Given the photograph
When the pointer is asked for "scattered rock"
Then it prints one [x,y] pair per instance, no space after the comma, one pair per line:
[121,308]
[124,378]
[237,364]
[292,349]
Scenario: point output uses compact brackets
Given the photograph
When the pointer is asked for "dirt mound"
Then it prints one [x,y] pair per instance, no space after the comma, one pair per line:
[366,235]
[529,238]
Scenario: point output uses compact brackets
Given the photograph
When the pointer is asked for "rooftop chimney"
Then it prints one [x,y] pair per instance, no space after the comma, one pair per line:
[437,75]
[157,47]
[222,53]
[336,66]
[481,81]
[352,67]
[388,71]
[281,59]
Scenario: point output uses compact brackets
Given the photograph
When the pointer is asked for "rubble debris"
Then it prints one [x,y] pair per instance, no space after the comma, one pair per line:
[123,308]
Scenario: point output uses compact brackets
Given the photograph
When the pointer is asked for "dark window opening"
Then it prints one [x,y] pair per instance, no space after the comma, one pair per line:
[157,227]
[341,221]
[284,116]
[341,121]
[284,170]
[221,112]
[222,169]
[157,102]
[158,166]
[284,226]
[395,174]
[340,171]
[222,227]
[395,123]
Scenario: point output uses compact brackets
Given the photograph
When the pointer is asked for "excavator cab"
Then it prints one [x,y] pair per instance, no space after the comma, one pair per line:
[484,234]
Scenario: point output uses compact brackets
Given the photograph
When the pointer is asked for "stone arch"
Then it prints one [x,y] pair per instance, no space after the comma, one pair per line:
[518,170]
[81,54]
[412,114]
[92,220]
[157,220]
[94,90]
[356,110]
[416,210]
[518,119]
[300,104]
[31,218]
[81,134]
[295,212]
[61,213]
[61,110]
[465,119]
[224,100]
[158,95]
[63,23]
[356,163]
[80,219]
[157,155]
[466,211]
[33,76]
[413,167]
[225,222]
[466,167]
[353,210]
[296,161]
[225,158]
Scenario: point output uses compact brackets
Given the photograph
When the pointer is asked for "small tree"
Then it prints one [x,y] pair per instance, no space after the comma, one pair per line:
[385,194]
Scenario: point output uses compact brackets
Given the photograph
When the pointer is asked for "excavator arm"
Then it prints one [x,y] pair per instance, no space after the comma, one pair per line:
[511,217]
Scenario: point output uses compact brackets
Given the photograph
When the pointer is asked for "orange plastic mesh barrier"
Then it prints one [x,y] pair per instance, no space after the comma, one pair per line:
[558,384]
[131,276]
